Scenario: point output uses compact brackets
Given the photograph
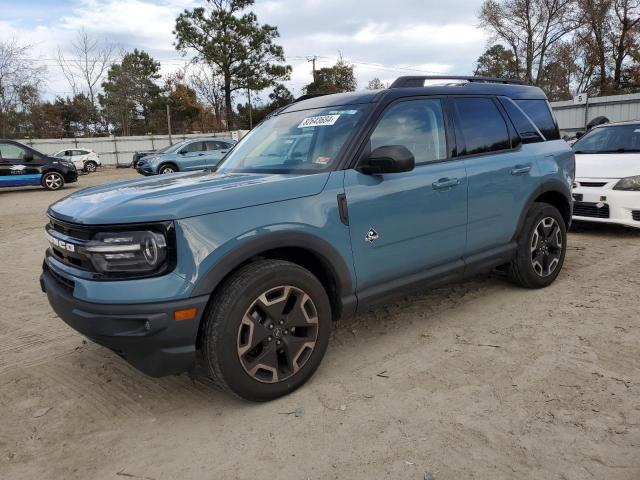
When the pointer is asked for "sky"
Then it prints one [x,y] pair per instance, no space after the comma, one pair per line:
[382,38]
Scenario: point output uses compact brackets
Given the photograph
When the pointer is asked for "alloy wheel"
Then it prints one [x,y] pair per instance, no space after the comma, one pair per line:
[278,334]
[546,246]
[54,181]
[90,167]
[166,170]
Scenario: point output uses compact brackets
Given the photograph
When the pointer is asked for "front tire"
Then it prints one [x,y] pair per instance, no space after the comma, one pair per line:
[542,246]
[52,181]
[90,166]
[267,329]
[167,168]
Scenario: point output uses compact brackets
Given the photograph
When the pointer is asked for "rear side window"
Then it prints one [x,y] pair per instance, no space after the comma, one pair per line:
[417,125]
[540,113]
[528,132]
[480,125]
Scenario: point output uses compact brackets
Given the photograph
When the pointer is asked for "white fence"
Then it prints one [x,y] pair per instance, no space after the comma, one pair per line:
[119,150]
[617,108]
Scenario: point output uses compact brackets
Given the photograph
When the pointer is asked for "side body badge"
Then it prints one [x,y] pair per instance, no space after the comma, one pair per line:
[371,236]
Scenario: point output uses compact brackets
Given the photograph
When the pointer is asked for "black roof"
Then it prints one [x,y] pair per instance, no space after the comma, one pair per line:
[477,86]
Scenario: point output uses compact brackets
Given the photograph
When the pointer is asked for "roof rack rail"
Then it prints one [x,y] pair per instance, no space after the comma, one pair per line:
[418,80]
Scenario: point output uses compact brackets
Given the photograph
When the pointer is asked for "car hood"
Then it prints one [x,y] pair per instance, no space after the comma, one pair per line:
[607,165]
[181,195]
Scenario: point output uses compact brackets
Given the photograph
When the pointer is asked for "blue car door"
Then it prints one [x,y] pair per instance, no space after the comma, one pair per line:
[191,156]
[501,174]
[214,151]
[405,224]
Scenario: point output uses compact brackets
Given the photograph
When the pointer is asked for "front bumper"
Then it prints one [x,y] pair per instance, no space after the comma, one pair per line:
[603,204]
[146,335]
[71,176]
[145,169]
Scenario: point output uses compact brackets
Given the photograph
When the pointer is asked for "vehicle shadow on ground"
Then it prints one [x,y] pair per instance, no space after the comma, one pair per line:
[608,229]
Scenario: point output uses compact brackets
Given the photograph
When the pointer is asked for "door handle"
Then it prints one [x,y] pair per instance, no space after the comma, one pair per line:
[520,169]
[223,151]
[444,183]
[201,154]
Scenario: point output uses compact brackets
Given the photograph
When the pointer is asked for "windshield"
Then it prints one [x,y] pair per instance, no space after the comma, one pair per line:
[307,141]
[171,148]
[614,139]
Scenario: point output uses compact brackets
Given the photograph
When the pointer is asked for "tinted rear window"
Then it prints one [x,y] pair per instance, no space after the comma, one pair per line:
[481,126]
[539,112]
[527,130]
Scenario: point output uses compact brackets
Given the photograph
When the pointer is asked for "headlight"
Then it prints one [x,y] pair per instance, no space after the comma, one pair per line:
[142,251]
[629,183]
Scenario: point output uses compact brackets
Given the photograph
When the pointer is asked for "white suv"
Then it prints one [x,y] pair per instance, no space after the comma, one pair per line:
[607,185]
[82,158]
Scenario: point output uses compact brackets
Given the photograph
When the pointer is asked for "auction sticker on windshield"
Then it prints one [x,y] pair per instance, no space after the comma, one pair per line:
[319,121]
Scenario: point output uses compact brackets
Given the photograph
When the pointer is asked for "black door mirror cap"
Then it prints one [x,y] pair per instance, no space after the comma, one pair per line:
[388,159]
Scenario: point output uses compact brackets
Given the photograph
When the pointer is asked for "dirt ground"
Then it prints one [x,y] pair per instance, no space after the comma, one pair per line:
[475,380]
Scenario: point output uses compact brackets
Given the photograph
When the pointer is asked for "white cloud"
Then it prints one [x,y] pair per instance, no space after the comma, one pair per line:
[415,36]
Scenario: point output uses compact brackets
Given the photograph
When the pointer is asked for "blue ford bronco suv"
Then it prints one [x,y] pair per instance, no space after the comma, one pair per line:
[332,204]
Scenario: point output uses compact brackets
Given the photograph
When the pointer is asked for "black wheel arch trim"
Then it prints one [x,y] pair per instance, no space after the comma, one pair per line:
[320,248]
[549,186]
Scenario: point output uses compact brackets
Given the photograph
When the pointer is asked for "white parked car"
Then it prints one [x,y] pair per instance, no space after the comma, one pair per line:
[607,186]
[84,159]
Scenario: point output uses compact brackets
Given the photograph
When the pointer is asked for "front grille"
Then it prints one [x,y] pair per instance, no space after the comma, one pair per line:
[74,234]
[635,214]
[70,229]
[588,209]
[592,184]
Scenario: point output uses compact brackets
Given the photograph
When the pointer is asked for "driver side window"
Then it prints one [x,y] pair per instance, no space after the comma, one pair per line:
[417,125]
[9,151]
[192,147]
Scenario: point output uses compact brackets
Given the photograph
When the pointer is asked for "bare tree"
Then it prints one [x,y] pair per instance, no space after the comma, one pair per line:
[87,63]
[624,37]
[20,80]
[210,88]
[376,84]
[529,28]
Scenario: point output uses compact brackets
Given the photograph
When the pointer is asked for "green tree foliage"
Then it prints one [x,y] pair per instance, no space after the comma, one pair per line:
[130,92]
[232,41]
[335,79]
[497,61]
[80,118]
[280,96]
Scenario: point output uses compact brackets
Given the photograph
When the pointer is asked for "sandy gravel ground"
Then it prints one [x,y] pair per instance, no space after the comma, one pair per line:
[476,380]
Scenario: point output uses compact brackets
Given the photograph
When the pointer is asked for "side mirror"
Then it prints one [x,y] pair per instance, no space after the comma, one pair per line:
[28,156]
[182,152]
[387,159]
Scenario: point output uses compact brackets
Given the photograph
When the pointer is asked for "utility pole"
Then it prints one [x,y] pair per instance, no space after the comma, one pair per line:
[169,122]
[250,109]
[313,62]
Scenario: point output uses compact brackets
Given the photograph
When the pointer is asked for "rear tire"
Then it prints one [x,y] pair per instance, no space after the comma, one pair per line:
[90,166]
[52,181]
[267,329]
[542,246]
